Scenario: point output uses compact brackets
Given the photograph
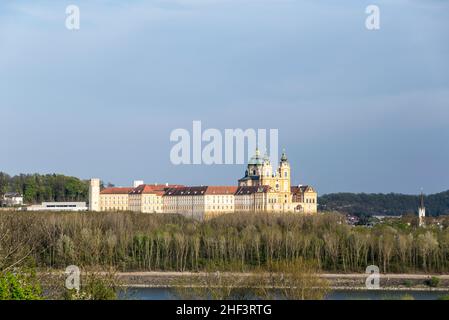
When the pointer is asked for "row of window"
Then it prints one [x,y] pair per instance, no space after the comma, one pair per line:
[107,208]
[241,200]
[219,207]
[110,203]
[152,208]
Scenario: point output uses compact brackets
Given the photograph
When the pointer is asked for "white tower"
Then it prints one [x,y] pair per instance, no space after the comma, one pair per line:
[94,195]
[421,211]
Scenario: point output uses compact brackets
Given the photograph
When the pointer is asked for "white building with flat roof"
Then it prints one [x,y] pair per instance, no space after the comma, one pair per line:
[59,206]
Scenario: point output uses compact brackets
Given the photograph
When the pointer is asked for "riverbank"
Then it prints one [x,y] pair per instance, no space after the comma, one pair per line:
[351,281]
[168,285]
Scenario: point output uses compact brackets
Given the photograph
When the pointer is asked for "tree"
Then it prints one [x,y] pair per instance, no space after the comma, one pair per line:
[4,183]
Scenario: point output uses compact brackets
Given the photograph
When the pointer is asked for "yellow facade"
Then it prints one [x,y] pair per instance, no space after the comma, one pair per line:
[200,202]
[146,203]
[147,199]
[114,199]
[280,196]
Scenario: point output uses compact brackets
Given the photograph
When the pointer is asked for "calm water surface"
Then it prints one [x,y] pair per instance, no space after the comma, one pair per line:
[167,294]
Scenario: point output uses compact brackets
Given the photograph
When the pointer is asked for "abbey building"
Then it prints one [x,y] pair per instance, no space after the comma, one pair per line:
[261,190]
[278,193]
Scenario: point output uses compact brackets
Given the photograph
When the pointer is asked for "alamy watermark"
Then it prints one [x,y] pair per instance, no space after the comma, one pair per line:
[73,279]
[373,280]
[72,21]
[372,22]
[213,146]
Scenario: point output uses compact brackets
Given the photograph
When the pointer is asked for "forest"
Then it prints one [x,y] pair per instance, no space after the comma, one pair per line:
[135,241]
[364,204]
[37,188]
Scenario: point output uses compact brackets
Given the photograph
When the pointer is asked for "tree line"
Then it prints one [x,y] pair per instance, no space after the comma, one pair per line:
[363,204]
[133,241]
[37,188]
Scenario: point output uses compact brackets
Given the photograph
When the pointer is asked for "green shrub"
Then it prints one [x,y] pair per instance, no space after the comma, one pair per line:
[433,282]
[19,286]
[95,287]
[408,283]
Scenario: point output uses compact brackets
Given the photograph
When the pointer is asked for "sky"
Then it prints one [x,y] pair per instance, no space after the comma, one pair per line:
[357,110]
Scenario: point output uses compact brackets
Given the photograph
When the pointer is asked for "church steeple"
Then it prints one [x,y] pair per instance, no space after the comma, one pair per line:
[421,210]
[422,200]
[284,173]
[284,156]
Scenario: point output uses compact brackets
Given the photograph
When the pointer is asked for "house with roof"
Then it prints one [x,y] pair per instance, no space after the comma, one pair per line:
[115,199]
[11,199]
[148,198]
[201,202]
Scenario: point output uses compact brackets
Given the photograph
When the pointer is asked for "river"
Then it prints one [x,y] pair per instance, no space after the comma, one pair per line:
[167,294]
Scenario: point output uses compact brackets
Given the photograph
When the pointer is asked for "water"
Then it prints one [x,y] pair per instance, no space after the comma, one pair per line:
[167,294]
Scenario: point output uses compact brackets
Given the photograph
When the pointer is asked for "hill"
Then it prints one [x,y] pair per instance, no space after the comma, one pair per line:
[384,204]
[37,188]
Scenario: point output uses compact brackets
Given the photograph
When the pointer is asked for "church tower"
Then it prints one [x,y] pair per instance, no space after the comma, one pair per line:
[421,211]
[267,176]
[284,173]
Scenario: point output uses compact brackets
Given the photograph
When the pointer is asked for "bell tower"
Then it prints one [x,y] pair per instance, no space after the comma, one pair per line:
[284,173]
[266,179]
[421,211]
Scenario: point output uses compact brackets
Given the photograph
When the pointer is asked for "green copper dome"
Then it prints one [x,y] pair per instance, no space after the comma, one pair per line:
[256,159]
[284,156]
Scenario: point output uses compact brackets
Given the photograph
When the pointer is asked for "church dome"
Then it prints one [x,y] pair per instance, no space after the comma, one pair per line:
[284,156]
[256,159]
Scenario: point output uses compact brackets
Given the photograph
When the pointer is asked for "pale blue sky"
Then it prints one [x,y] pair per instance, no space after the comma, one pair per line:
[356,110]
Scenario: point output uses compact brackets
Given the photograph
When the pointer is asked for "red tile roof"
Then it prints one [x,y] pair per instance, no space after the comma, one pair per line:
[116,190]
[301,189]
[221,189]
